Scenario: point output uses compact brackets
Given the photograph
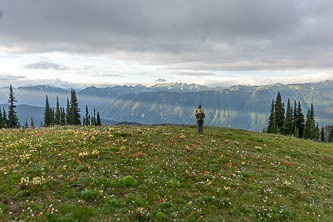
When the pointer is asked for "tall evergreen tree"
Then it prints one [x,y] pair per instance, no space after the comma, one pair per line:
[279,112]
[4,117]
[75,111]
[313,124]
[93,119]
[317,137]
[322,134]
[271,121]
[26,125]
[308,126]
[2,124]
[300,121]
[98,121]
[32,124]
[57,119]
[295,118]
[12,115]
[62,117]
[288,122]
[86,120]
[330,139]
[52,115]
[47,113]
[68,113]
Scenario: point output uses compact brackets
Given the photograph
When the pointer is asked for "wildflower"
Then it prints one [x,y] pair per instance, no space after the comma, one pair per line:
[38,180]
[226,188]
[83,154]
[140,212]
[93,139]
[25,157]
[286,183]
[95,152]
[258,147]
[139,154]
[25,180]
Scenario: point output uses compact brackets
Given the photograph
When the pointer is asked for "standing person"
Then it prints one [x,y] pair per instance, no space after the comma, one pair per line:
[200,115]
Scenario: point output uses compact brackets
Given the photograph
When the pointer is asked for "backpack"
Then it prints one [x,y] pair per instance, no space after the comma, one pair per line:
[199,114]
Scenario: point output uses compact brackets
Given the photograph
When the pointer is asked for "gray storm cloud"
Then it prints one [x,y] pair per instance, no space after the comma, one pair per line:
[208,35]
[46,65]
[194,74]
[6,77]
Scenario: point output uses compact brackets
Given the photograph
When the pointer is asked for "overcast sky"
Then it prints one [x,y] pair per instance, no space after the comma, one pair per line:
[105,42]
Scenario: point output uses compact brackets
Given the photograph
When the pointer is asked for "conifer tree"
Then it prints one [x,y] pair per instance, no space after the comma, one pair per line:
[313,124]
[295,117]
[93,119]
[32,124]
[47,113]
[288,122]
[12,116]
[2,125]
[330,139]
[308,126]
[98,121]
[68,113]
[26,125]
[57,113]
[4,117]
[86,120]
[300,121]
[271,121]
[279,112]
[75,111]
[317,137]
[52,115]
[322,134]
[62,117]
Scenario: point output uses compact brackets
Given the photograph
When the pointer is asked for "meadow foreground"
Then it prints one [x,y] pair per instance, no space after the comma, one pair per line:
[162,173]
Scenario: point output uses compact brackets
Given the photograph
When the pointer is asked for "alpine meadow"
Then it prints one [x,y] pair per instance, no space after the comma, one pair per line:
[166,111]
[162,173]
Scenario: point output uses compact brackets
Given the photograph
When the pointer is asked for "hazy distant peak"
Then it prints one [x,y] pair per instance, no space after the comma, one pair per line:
[44,88]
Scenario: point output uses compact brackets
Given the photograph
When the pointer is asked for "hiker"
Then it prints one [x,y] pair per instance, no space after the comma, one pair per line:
[200,115]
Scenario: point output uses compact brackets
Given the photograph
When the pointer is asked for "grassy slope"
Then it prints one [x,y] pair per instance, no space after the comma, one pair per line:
[163,173]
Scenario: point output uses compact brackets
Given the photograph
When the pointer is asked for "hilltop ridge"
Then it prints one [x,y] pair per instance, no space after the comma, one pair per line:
[163,173]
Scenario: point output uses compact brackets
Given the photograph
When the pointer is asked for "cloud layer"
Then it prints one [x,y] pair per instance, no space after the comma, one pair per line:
[201,35]
[46,65]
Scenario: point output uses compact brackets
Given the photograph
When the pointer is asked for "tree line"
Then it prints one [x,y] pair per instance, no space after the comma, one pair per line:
[10,120]
[72,116]
[291,121]
[52,116]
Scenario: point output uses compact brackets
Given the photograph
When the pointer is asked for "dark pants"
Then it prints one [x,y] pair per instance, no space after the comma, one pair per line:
[200,126]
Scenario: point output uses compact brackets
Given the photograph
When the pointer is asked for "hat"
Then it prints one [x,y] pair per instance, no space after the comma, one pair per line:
[199,106]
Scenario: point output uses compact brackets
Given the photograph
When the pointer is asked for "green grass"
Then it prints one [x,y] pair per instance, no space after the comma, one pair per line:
[162,173]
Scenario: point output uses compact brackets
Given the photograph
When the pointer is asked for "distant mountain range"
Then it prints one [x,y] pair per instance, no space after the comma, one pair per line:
[117,91]
[245,107]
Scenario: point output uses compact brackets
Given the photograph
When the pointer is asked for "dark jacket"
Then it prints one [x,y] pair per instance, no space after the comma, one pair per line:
[199,114]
